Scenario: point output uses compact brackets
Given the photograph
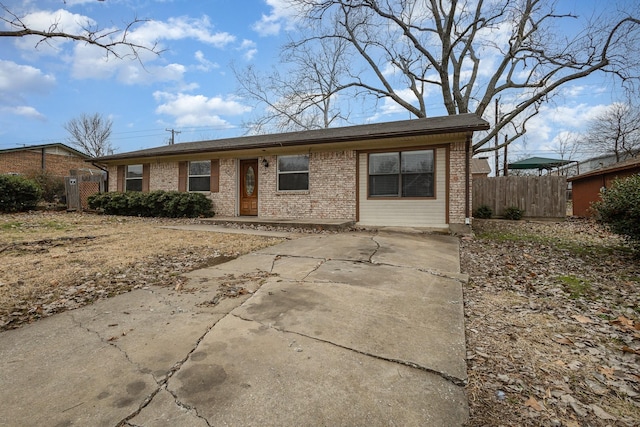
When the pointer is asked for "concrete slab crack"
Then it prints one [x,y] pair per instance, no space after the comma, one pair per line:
[187,407]
[106,341]
[375,251]
[163,382]
[454,380]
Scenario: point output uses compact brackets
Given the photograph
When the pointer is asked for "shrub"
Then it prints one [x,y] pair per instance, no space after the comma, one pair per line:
[52,186]
[171,204]
[18,193]
[483,212]
[513,212]
[619,208]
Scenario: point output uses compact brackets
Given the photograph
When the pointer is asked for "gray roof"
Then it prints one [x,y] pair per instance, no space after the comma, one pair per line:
[480,166]
[52,145]
[416,127]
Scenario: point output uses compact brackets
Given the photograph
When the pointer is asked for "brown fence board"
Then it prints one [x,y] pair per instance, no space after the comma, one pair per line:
[537,196]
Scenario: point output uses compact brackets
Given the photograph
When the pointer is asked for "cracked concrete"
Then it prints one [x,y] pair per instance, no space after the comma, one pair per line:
[343,329]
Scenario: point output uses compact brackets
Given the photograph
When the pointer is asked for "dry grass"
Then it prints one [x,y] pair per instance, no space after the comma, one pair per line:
[54,261]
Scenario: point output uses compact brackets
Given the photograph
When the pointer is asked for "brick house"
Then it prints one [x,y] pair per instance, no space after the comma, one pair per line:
[407,173]
[57,159]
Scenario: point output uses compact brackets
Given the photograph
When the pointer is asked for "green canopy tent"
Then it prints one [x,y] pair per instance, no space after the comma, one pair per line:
[539,163]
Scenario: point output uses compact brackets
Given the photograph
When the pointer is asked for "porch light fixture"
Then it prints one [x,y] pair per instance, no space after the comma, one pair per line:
[265,163]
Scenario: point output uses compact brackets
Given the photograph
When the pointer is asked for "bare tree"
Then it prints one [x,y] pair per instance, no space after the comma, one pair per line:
[90,133]
[616,131]
[473,52]
[115,41]
[301,95]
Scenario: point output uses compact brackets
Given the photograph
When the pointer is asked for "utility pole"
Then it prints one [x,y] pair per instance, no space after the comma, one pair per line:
[506,165]
[173,135]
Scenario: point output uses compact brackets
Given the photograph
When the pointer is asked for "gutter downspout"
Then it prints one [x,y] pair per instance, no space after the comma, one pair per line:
[467,187]
[106,171]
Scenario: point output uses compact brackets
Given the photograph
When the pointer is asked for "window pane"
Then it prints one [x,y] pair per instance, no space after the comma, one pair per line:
[417,161]
[384,163]
[417,185]
[200,168]
[134,171]
[383,185]
[293,163]
[200,183]
[134,185]
[293,181]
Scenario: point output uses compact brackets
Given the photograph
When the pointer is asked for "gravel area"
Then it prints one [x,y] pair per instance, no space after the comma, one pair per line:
[553,325]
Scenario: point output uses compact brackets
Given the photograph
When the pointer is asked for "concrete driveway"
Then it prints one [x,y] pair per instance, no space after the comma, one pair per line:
[351,329]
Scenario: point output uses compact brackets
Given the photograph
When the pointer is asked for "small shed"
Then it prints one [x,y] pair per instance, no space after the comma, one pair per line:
[587,187]
[480,168]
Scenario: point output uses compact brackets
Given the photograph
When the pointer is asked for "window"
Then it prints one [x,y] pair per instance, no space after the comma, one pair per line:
[401,174]
[133,178]
[293,173]
[199,176]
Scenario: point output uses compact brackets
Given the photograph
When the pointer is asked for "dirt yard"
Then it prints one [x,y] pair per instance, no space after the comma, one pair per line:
[552,309]
[52,262]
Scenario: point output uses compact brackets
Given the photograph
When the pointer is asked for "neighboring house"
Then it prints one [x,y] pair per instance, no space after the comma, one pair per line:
[406,173]
[594,163]
[586,187]
[480,168]
[56,159]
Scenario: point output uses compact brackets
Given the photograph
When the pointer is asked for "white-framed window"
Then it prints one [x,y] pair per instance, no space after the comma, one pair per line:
[133,178]
[199,176]
[401,174]
[293,173]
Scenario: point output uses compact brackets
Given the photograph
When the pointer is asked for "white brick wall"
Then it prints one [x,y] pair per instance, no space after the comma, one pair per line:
[456,185]
[163,176]
[225,201]
[331,195]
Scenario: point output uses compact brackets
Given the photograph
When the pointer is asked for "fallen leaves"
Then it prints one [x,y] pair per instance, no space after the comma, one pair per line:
[51,262]
[560,352]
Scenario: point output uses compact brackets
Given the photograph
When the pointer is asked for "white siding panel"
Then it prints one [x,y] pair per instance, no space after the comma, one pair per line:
[404,213]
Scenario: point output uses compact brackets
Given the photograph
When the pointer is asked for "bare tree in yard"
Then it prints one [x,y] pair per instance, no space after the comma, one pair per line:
[469,53]
[115,41]
[90,133]
[301,95]
[615,131]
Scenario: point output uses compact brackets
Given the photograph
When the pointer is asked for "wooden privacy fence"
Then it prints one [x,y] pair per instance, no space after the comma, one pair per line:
[537,196]
[79,187]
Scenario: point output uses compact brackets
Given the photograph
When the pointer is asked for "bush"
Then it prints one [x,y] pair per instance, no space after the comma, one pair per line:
[513,212]
[171,204]
[18,193]
[483,212]
[619,208]
[52,186]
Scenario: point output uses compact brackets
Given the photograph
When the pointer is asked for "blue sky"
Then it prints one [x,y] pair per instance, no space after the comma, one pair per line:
[190,86]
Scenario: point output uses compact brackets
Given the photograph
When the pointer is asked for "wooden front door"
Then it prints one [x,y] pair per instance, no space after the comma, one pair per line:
[249,187]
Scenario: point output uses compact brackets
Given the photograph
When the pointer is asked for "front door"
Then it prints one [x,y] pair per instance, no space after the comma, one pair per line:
[249,187]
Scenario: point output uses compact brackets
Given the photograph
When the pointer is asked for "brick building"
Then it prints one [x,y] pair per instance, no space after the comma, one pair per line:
[407,173]
[57,159]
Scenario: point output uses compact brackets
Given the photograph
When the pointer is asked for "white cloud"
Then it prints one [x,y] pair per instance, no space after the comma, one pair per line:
[205,64]
[181,28]
[24,111]
[16,79]
[282,15]
[198,110]
[250,48]
[59,21]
